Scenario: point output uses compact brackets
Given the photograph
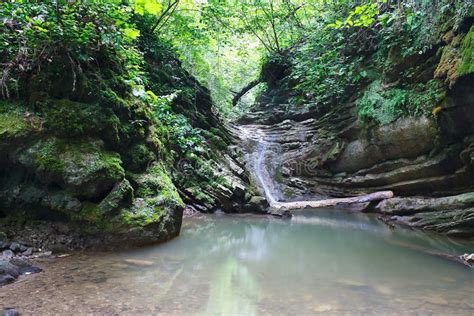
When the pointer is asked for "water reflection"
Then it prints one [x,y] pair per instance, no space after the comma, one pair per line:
[233,291]
[322,261]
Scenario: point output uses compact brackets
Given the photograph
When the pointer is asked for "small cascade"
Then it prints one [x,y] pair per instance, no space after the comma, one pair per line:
[263,174]
[264,160]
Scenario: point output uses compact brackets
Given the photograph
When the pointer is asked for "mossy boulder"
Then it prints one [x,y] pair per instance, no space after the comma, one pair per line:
[62,202]
[84,185]
[149,220]
[12,125]
[155,181]
[157,204]
[139,156]
[145,211]
[16,125]
[120,196]
[72,119]
[64,160]
[83,167]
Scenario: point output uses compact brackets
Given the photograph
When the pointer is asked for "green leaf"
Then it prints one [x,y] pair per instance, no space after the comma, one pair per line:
[131,33]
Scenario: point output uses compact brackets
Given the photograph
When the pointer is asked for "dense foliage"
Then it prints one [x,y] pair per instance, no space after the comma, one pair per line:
[225,43]
[222,43]
[331,60]
[99,69]
[39,38]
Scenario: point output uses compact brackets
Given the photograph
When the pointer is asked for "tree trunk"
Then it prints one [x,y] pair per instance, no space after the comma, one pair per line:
[242,92]
[286,206]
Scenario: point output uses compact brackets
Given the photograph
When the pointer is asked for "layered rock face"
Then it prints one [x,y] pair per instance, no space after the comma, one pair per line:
[330,151]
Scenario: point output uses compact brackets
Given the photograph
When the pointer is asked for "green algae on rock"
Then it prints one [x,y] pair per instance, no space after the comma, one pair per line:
[466,65]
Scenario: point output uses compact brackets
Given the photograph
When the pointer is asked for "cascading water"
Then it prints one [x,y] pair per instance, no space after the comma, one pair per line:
[263,157]
[262,172]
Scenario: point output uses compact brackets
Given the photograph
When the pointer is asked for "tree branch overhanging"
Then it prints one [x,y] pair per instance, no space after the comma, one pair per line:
[171,7]
[244,90]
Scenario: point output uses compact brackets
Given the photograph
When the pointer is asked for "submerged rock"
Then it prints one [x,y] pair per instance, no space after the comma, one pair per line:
[452,215]
[15,260]
[28,252]
[468,259]
[11,268]
[6,279]
[139,263]
[7,254]
[8,268]
[25,266]
[15,247]
[9,311]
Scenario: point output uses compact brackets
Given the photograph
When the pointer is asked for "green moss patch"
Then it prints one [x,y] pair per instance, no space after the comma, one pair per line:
[157,182]
[72,119]
[47,155]
[145,212]
[12,124]
[121,195]
[385,105]
[466,65]
[14,121]
[156,194]
[91,214]
[83,165]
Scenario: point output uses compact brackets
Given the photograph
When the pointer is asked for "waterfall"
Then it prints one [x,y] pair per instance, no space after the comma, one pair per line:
[262,173]
[264,159]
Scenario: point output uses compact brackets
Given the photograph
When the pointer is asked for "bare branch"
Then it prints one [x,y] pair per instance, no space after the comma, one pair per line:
[171,7]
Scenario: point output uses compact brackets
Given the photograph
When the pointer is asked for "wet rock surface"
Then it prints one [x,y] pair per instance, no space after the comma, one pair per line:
[328,151]
[10,312]
[452,215]
[15,261]
[468,259]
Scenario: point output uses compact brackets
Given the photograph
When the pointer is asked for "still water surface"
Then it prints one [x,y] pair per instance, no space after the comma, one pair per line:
[322,261]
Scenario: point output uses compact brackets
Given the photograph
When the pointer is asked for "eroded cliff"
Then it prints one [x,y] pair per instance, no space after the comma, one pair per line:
[406,124]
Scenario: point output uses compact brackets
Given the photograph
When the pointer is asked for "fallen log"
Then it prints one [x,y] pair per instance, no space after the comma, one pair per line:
[286,206]
[244,90]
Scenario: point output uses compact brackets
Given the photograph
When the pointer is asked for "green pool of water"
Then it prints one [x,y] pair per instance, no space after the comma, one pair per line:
[321,261]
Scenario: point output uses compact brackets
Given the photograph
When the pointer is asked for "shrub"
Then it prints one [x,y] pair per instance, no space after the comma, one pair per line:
[384,105]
